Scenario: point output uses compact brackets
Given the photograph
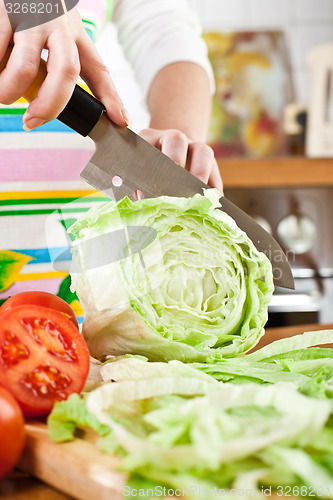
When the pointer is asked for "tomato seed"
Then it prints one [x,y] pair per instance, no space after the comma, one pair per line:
[46,381]
[69,355]
[46,333]
[12,350]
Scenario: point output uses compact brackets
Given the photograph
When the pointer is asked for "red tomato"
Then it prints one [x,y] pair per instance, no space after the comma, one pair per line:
[43,299]
[12,433]
[43,357]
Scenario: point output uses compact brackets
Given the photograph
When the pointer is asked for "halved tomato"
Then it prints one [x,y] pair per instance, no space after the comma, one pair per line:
[43,357]
[12,432]
[43,299]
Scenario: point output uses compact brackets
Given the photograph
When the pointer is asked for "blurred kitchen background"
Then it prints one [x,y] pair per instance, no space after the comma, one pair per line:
[272,131]
[303,25]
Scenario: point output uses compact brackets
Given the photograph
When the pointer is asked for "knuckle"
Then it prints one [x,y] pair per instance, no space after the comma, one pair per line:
[103,68]
[203,148]
[176,135]
[27,70]
[71,69]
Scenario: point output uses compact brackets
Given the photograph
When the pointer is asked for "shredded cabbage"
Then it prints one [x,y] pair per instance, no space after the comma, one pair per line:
[177,427]
[292,359]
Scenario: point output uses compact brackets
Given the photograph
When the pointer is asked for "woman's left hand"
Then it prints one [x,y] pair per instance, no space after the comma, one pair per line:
[197,157]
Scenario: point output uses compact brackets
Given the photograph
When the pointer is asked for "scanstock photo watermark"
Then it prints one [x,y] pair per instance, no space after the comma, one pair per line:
[25,14]
[278,255]
[126,241]
[197,491]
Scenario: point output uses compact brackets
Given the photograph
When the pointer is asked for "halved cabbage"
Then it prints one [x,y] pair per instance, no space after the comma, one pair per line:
[197,289]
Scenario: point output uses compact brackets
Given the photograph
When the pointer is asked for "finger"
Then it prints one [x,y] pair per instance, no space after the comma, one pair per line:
[201,160]
[152,136]
[63,69]
[96,75]
[175,145]
[215,179]
[22,66]
[5,31]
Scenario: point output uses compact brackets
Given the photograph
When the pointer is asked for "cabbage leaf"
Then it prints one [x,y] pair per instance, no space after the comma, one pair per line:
[293,359]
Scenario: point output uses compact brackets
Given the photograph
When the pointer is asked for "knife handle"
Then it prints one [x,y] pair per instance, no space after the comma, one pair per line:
[82,111]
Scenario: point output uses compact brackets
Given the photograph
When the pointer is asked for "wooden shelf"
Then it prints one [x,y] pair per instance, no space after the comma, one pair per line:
[276,172]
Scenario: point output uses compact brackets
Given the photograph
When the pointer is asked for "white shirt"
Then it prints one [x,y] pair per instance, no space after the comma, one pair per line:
[155,33]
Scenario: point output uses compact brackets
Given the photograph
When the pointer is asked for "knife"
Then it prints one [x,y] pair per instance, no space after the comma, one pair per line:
[124,164]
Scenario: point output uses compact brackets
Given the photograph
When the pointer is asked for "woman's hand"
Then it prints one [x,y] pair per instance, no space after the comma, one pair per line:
[197,157]
[71,53]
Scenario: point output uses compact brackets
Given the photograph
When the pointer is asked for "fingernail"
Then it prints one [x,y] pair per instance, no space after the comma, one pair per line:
[126,116]
[32,123]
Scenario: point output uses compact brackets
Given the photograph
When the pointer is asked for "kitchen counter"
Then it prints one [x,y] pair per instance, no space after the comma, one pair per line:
[273,334]
[276,172]
[21,486]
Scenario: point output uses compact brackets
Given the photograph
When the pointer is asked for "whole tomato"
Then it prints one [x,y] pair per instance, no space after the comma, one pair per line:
[12,433]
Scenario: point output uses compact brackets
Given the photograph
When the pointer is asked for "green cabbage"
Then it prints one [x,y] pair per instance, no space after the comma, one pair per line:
[293,359]
[199,289]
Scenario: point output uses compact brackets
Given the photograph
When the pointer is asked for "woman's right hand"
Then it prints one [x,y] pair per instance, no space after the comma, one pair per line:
[71,53]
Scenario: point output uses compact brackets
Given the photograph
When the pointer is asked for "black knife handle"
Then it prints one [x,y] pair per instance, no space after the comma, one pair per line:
[82,111]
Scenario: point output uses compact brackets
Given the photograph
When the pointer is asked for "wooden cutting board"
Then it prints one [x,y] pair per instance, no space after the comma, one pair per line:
[77,468]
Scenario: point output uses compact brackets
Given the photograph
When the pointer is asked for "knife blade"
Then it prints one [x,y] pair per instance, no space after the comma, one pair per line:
[124,163]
